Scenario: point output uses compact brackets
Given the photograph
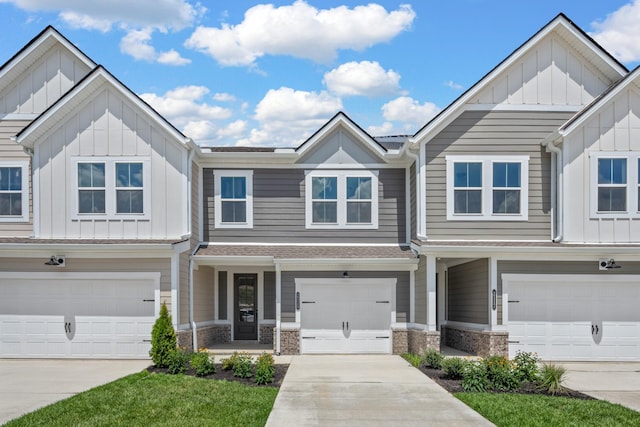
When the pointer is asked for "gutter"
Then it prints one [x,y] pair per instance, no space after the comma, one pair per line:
[418,194]
[194,329]
[557,184]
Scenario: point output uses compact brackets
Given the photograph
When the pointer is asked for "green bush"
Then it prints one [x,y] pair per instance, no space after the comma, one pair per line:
[243,366]
[501,374]
[433,358]
[229,362]
[474,377]
[163,339]
[201,363]
[453,367]
[265,369]
[414,359]
[177,361]
[526,366]
[551,378]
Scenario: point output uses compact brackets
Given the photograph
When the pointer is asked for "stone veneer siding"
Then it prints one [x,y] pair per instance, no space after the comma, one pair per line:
[479,343]
[289,341]
[420,340]
[207,336]
[266,334]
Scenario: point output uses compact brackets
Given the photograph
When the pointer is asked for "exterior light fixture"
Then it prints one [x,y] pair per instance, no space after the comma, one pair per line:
[345,275]
[607,264]
[56,260]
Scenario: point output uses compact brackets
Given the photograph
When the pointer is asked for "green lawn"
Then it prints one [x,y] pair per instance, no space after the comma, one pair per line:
[524,410]
[146,399]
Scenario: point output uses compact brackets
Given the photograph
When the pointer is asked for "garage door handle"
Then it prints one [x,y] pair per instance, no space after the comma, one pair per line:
[382,302]
[513,342]
[308,302]
[148,300]
[347,326]
[343,326]
[514,300]
[308,338]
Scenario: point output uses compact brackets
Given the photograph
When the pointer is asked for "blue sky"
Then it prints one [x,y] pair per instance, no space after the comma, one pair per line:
[270,74]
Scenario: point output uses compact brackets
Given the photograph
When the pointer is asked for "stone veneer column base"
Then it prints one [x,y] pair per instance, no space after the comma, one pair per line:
[289,341]
[266,334]
[479,343]
[414,340]
[207,336]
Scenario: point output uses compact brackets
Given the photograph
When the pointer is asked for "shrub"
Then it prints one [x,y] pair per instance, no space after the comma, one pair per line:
[551,378]
[474,377]
[433,358]
[229,362]
[201,363]
[177,361]
[526,366]
[243,366]
[414,359]
[265,369]
[453,367]
[163,339]
[501,374]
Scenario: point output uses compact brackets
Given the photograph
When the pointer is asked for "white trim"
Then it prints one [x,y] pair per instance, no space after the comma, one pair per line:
[175,288]
[523,107]
[110,188]
[431,292]
[467,325]
[493,287]
[218,174]
[341,244]
[421,200]
[19,116]
[412,296]
[24,190]
[35,189]
[341,201]
[632,186]
[487,162]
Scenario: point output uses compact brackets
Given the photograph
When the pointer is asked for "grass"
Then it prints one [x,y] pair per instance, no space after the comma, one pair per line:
[159,400]
[530,410]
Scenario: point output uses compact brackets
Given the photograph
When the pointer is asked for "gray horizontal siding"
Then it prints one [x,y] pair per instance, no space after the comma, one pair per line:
[468,292]
[421,292]
[279,211]
[413,201]
[499,133]
[269,309]
[289,288]
[222,295]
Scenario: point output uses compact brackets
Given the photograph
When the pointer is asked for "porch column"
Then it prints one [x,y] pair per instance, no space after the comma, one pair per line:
[493,293]
[175,289]
[431,292]
[278,305]
[412,297]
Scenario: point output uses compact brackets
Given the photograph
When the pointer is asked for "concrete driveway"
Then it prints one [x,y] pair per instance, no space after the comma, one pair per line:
[26,385]
[616,382]
[354,391]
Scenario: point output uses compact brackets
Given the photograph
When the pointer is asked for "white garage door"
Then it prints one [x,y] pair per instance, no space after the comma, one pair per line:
[80,315]
[346,315]
[574,317]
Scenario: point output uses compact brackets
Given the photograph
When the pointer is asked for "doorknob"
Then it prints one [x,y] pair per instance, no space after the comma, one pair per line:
[343,326]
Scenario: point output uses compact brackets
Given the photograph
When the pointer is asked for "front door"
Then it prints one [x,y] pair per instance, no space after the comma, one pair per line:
[246,310]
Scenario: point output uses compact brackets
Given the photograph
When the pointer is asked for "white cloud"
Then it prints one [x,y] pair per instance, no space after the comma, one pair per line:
[619,33]
[453,85]
[365,78]
[223,97]
[286,117]
[409,111]
[161,14]
[136,44]
[300,30]
[386,128]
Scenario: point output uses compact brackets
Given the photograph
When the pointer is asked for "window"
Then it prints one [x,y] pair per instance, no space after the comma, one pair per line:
[14,200]
[615,184]
[111,187]
[233,199]
[487,188]
[341,199]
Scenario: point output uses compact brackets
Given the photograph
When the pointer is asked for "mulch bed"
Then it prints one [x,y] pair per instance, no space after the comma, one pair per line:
[455,386]
[278,376]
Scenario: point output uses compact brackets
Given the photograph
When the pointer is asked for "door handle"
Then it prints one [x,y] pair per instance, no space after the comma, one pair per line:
[347,326]
[343,326]
[592,329]
[596,329]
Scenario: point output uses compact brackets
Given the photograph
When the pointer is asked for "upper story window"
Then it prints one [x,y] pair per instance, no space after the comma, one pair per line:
[615,184]
[111,188]
[14,196]
[341,199]
[487,188]
[233,198]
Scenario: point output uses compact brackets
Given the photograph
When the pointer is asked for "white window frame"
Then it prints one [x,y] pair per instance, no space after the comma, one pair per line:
[24,166]
[110,188]
[633,210]
[341,176]
[486,212]
[218,174]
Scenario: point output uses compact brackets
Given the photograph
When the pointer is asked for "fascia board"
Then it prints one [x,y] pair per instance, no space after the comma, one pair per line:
[234,260]
[548,253]
[34,250]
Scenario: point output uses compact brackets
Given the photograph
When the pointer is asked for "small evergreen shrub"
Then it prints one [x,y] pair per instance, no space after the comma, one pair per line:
[202,364]
[243,366]
[453,367]
[265,369]
[229,362]
[414,359]
[526,366]
[501,374]
[474,377]
[163,339]
[433,358]
[551,378]
[177,361]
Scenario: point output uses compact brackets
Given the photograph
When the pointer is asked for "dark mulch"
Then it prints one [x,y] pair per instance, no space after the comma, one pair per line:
[455,386]
[278,376]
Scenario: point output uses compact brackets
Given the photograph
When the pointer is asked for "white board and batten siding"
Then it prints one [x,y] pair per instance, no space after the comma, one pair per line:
[109,126]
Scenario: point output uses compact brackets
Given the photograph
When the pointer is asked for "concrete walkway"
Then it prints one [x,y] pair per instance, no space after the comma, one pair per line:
[616,382]
[364,391]
[26,385]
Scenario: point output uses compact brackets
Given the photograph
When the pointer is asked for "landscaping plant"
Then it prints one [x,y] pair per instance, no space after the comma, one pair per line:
[177,361]
[412,358]
[201,363]
[525,365]
[229,362]
[433,358]
[265,369]
[243,366]
[453,367]
[551,378]
[474,377]
[163,339]
[500,373]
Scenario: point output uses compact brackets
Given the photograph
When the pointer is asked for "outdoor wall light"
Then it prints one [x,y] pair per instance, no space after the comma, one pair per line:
[607,264]
[345,275]
[56,260]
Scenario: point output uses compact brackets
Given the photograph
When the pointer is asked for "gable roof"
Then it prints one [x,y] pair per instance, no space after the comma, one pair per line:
[588,47]
[33,50]
[341,119]
[78,94]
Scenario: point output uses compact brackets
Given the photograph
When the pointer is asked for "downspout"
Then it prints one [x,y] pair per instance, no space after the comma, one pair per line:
[415,157]
[557,199]
[194,329]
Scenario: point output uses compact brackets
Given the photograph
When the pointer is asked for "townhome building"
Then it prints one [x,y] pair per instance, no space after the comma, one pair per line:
[508,222]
